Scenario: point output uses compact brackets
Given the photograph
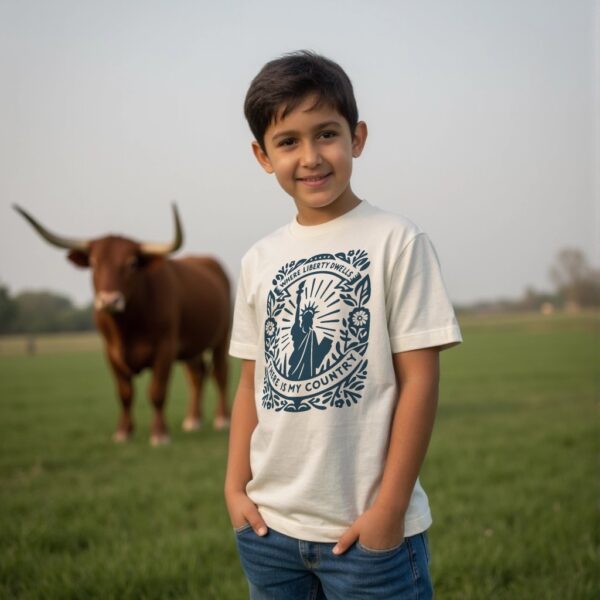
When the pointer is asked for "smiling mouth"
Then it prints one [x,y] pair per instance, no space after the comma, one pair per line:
[314,179]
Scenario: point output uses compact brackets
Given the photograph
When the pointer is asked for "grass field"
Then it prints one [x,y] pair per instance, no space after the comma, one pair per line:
[64,343]
[512,475]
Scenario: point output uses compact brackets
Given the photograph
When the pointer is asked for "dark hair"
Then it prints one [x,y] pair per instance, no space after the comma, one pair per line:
[283,83]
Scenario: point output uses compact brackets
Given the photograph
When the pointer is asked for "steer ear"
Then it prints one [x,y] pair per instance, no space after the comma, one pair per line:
[79,258]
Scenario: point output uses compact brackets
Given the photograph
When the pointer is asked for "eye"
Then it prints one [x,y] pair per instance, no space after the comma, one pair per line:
[286,142]
[132,263]
[327,135]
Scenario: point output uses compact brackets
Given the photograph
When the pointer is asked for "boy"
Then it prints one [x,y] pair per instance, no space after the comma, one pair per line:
[339,318]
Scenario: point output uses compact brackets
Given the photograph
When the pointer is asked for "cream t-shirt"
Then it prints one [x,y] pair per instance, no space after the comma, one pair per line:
[321,309]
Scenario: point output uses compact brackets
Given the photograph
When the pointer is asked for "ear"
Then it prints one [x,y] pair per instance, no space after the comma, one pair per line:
[359,138]
[261,157]
[79,258]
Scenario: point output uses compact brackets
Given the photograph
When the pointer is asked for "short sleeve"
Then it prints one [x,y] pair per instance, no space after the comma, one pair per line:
[244,333]
[419,312]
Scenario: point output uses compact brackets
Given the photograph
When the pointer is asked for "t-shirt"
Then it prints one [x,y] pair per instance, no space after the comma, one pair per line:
[321,309]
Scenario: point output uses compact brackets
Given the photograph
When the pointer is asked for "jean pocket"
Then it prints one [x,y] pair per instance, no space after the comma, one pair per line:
[379,552]
[242,528]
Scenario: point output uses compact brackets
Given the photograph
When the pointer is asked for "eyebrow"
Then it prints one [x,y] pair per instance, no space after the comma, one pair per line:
[292,132]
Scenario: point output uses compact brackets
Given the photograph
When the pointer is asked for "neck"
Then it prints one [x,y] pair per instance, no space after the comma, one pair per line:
[317,216]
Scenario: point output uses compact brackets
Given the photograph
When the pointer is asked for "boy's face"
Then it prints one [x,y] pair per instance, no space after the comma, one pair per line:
[310,151]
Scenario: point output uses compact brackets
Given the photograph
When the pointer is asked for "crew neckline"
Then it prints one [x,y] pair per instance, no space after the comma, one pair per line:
[308,231]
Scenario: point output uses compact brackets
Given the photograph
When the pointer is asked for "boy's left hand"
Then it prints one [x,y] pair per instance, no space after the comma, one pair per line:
[377,528]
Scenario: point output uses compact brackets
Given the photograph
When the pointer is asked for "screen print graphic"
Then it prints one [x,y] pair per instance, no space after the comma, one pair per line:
[317,333]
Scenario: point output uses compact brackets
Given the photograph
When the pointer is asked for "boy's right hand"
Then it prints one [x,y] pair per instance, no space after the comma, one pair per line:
[242,510]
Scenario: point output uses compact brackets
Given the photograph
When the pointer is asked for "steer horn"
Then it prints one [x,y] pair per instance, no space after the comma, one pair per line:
[163,249]
[55,240]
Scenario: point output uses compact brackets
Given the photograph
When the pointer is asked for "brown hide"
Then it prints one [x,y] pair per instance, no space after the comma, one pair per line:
[151,311]
[176,310]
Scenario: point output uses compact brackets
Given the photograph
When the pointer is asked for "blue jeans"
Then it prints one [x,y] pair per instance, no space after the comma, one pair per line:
[279,567]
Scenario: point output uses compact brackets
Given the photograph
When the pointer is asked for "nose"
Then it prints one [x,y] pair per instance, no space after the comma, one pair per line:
[112,301]
[310,156]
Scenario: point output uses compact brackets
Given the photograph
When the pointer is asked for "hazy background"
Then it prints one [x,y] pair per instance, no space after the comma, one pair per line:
[483,120]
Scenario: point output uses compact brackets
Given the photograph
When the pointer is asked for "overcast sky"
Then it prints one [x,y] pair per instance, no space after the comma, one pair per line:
[483,121]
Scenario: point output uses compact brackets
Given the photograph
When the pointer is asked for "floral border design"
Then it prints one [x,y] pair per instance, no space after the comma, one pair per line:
[354,336]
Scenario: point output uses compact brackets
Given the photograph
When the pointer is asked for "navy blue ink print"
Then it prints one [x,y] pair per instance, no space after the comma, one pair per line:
[317,333]
[308,352]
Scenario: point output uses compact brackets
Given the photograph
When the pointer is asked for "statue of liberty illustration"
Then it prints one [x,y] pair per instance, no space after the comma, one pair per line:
[308,353]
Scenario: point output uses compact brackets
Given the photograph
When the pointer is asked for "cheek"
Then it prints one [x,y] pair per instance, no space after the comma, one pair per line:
[345,161]
[349,169]
[286,183]
[284,172]
[340,157]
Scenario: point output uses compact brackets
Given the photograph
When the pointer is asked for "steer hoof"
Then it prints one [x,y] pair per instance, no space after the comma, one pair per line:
[159,439]
[221,423]
[191,424]
[120,437]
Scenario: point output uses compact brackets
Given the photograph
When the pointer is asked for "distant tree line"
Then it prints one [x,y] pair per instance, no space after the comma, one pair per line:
[576,286]
[41,312]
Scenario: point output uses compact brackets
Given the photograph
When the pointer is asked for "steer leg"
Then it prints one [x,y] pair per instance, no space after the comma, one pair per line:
[221,371]
[125,393]
[196,371]
[161,372]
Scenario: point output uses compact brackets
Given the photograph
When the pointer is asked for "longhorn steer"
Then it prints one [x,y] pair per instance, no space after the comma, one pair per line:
[151,311]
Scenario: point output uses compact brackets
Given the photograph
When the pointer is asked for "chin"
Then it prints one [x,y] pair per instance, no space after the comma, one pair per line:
[317,204]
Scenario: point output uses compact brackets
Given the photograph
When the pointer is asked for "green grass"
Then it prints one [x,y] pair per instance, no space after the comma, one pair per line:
[511,475]
[49,343]
[512,469]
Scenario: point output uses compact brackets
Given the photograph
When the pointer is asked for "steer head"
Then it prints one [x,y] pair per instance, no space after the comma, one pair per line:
[117,263]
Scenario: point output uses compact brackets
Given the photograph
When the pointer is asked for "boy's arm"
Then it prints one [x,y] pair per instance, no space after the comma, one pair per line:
[243,422]
[382,525]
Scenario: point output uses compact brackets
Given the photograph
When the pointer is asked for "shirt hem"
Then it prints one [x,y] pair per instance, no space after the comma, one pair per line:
[310,533]
[442,338]
[245,351]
